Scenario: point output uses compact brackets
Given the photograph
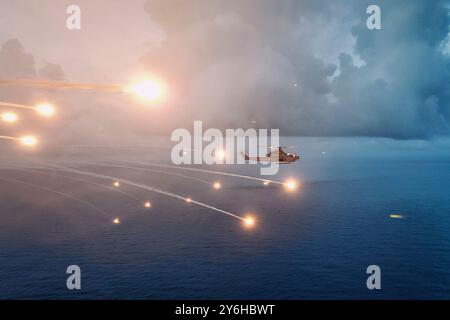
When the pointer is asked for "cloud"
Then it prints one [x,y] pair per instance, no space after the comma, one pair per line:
[310,68]
[281,65]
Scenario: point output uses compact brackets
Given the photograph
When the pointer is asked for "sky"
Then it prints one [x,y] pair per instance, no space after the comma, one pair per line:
[309,68]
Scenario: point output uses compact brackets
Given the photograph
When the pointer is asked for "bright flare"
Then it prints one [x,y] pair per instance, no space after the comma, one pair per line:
[116,184]
[9,117]
[220,155]
[188,200]
[266,183]
[28,141]
[116,221]
[291,185]
[148,205]
[217,185]
[249,222]
[150,90]
[45,109]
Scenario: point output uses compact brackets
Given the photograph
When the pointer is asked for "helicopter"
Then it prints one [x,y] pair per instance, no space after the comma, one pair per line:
[276,155]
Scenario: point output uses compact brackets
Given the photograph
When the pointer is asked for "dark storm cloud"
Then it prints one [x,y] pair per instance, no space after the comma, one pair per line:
[403,90]
[272,61]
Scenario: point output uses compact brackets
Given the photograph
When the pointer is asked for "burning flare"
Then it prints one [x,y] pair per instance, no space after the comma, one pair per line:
[45,109]
[291,185]
[9,117]
[150,90]
[249,221]
[220,155]
[29,141]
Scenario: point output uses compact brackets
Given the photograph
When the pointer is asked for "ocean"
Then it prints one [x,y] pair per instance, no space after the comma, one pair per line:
[314,243]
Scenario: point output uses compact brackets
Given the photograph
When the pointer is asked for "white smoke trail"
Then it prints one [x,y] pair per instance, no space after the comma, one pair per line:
[146,170]
[32,185]
[204,171]
[149,188]
[62,85]
[129,195]
[16,105]
[9,138]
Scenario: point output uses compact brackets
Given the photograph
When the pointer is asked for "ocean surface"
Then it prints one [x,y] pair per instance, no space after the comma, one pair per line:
[315,243]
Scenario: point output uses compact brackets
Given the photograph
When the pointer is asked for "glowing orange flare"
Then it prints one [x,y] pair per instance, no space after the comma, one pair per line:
[217,185]
[116,184]
[220,155]
[9,117]
[45,109]
[249,221]
[291,185]
[150,90]
[116,221]
[266,183]
[188,200]
[148,205]
[28,141]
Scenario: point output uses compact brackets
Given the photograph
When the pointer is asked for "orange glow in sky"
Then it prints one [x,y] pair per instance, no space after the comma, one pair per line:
[151,90]
[29,141]
[9,117]
[45,109]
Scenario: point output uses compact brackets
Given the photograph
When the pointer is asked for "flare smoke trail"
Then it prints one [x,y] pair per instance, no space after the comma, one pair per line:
[16,105]
[149,188]
[129,195]
[62,85]
[147,170]
[8,138]
[32,185]
[204,171]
